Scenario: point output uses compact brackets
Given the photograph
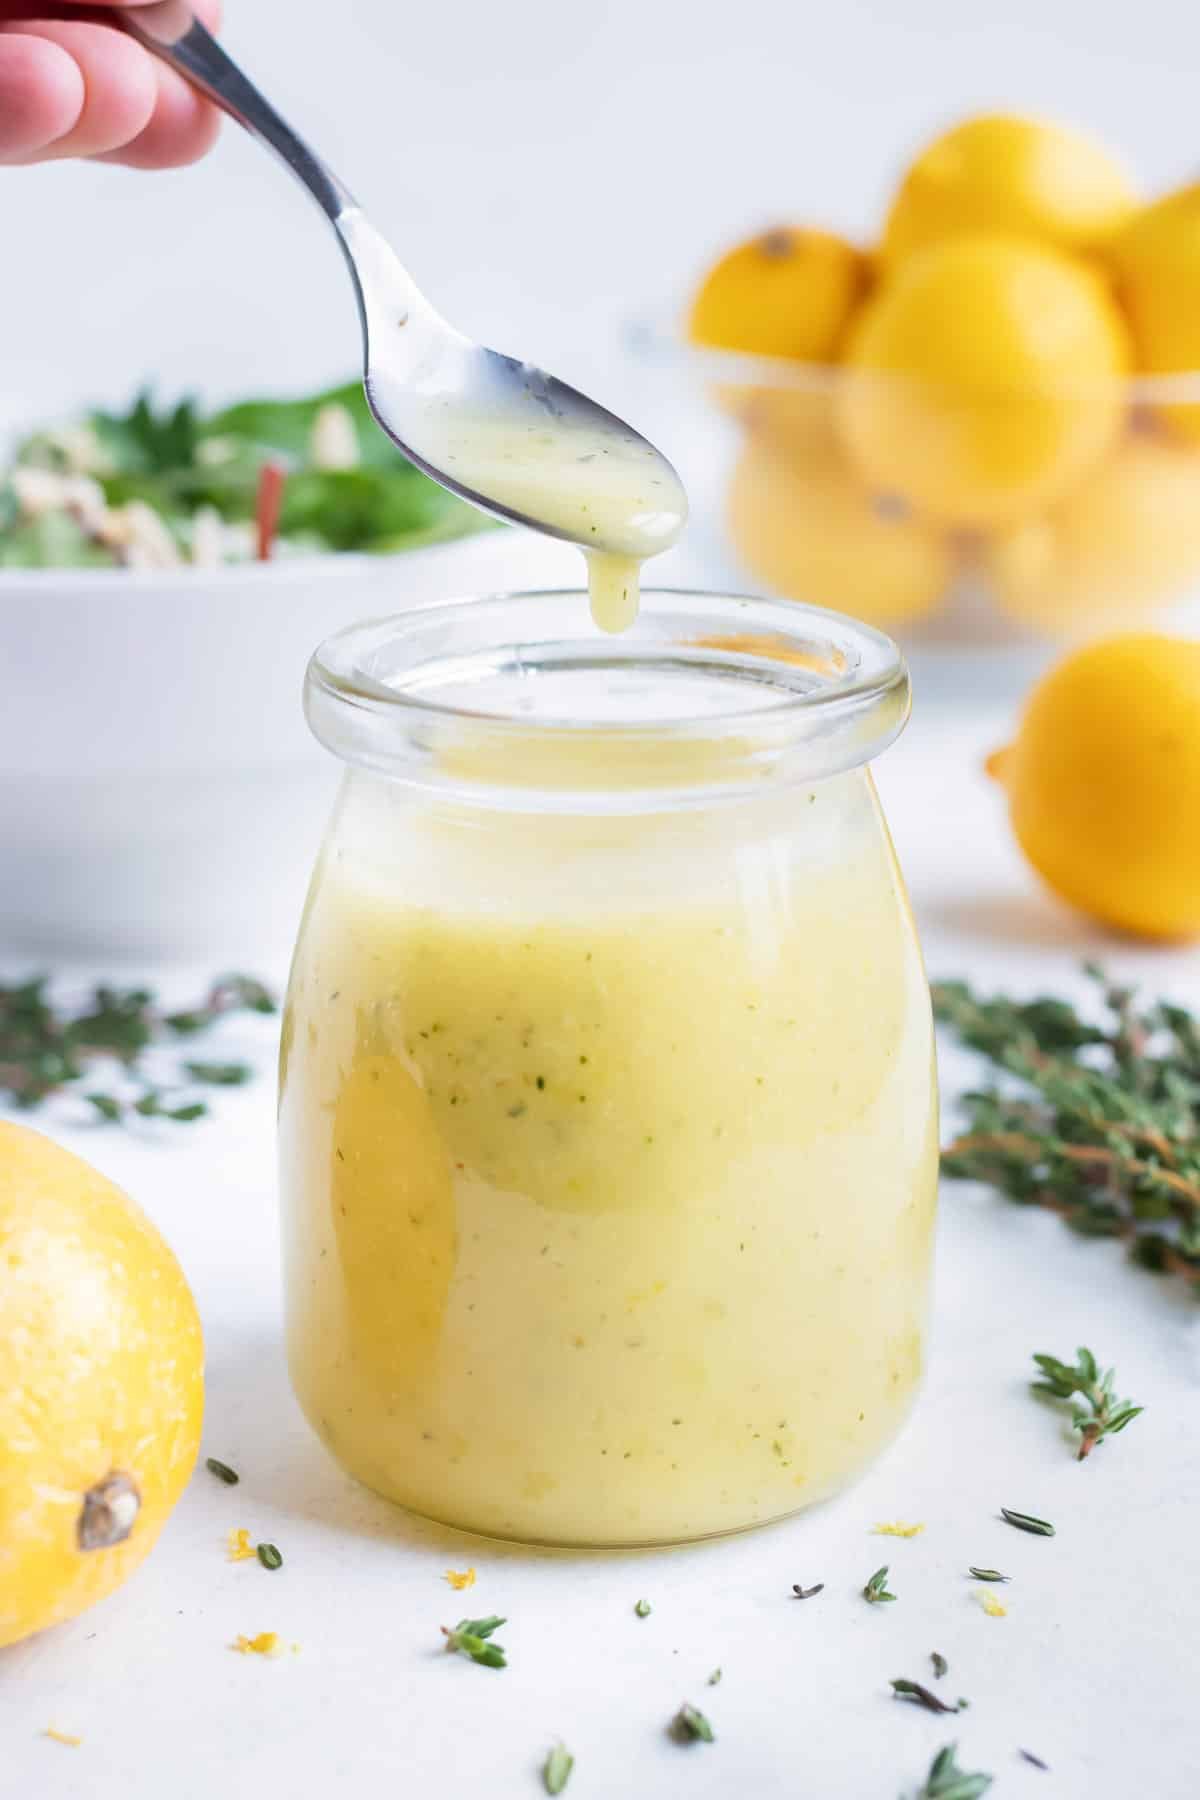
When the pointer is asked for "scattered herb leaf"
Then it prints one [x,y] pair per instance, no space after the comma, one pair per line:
[214,1074]
[472,1637]
[946,1781]
[690,1726]
[1099,1123]
[877,1588]
[986,1574]
[940,1665]
[1035,1760]
[803,1593]
[643,1609]
[1103,1414]
[222,1471]
[904,1689]
[714,1679]
[269,1556]
[556,1770]
[1027,1522]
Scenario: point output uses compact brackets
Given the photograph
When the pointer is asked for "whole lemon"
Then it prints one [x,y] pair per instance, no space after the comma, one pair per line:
[1103,783]
[804,526]
[984,380]
[1001,172]
[787,292]
[101,1384]
[1122,543]
[1156,261]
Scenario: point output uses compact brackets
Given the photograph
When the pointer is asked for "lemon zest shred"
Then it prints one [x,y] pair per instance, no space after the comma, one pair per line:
[897,1530]
[995,1609]
[239,1546]
[62,1737]
[460,1579]
[265,1644]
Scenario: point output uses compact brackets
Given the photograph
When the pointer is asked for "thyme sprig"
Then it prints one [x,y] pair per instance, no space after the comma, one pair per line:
[1098,1122]
[46,1049]
[1102,1414]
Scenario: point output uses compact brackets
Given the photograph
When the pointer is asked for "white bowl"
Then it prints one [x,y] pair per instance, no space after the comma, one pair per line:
[160,795]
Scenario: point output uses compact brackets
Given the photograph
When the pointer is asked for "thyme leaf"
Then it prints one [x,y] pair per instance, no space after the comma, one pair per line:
[946,1781]
[915,1691]
[689,1726]
[556,1770]
[877,1588]
[1027,1522]
[472,1637]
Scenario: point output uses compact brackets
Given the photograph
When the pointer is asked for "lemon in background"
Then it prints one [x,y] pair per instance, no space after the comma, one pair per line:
[1102,782]
[1003,172]
[1126,540]
[805,526]
[1156,262]
[786,292]
[983,380]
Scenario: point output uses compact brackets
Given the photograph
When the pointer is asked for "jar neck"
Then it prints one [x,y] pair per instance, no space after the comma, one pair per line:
[515,702]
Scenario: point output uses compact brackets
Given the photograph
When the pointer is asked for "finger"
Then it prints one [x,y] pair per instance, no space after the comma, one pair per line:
[120,90]
[181,128]
[41,95]
[183,125]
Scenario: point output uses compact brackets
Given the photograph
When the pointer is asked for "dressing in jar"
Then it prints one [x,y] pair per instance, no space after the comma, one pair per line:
[608,1117]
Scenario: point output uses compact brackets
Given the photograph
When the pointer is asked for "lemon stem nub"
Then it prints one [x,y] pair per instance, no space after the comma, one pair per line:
[109,1511]
[996,765]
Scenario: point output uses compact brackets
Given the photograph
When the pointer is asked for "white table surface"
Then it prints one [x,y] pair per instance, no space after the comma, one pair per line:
[1094,1668]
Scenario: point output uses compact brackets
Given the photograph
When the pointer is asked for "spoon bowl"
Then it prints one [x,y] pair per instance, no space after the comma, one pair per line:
[501,433]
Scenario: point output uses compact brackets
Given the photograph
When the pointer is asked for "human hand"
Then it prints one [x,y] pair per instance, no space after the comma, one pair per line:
[70,86]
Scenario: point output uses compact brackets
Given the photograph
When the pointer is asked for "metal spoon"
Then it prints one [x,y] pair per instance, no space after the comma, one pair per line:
[501,433]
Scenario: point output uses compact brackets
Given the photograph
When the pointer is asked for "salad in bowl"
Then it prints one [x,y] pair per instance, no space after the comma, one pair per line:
[165,574]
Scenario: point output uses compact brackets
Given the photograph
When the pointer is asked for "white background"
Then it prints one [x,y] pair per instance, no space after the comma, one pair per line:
[547,168]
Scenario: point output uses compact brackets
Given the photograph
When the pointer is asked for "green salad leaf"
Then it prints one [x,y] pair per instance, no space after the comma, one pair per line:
[176,460]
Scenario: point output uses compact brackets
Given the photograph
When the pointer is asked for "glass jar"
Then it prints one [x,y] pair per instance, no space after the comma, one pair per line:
[608,1107]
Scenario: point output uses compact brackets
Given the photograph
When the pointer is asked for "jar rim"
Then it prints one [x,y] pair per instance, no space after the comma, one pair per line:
[807,687]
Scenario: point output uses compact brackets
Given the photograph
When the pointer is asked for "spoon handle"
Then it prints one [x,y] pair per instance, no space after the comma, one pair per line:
[170,30]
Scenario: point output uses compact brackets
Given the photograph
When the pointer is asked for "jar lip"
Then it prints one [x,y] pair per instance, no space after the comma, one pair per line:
[795,674]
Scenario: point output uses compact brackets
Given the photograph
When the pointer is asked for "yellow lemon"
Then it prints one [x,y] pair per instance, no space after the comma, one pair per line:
[101,1384]
[1121,544]
[984,380]
[799,417]
[805,527]
[1103,783]
[787,292]
[1001,172]
[1156,261]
